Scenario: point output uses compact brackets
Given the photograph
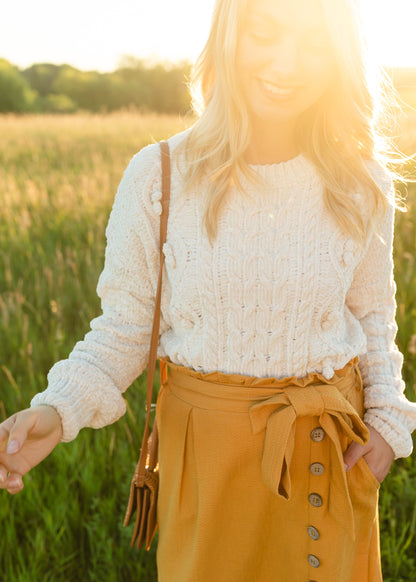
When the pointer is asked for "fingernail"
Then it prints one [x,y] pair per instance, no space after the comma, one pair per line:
[345,467]
[2,479]
[12,447]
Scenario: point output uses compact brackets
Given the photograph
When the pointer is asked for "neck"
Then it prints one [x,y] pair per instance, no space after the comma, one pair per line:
[272,146]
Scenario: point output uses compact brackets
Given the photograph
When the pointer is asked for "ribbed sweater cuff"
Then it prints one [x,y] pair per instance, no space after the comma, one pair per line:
[74,395]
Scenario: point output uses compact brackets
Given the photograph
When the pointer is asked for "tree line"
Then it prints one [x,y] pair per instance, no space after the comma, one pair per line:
[45,87]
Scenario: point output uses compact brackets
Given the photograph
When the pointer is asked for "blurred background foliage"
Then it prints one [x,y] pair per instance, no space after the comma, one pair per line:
[49,88]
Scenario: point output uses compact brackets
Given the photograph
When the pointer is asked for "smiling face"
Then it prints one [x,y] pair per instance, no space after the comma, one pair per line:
[284,61]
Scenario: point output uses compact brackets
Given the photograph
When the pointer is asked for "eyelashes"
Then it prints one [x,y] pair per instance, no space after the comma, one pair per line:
[267,32]
[267,38]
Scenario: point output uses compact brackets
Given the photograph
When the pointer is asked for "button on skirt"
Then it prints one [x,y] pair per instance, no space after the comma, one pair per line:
[252,481]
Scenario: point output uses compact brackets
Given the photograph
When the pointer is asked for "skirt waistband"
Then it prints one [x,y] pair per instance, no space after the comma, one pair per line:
[235,392]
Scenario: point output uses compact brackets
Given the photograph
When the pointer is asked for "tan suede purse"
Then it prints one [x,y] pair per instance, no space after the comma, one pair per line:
[145,482]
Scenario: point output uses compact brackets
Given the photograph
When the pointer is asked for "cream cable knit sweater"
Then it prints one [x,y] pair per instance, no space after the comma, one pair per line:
[281,292]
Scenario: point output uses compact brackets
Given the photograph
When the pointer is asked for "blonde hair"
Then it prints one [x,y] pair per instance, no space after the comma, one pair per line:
[339,135]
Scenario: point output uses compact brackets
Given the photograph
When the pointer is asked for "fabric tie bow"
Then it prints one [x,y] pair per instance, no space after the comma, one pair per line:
[277,415]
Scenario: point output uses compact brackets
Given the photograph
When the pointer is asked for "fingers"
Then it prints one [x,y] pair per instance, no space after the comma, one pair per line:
[10,438]
[26,438]
[354,452]
[12,482]
[22,425]
[3,475]
[4,433]
[14,431]
[377,453]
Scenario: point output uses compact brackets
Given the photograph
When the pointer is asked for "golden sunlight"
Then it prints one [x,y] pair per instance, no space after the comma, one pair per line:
[390,29]
[95,35]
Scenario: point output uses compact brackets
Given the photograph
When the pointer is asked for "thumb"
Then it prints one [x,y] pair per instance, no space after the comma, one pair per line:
[18,433]
[354,452]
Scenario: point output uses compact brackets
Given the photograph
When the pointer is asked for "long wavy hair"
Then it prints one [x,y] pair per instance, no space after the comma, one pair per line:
[339,134]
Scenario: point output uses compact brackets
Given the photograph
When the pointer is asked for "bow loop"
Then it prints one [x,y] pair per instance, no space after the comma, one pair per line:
[306,401]
[261,411]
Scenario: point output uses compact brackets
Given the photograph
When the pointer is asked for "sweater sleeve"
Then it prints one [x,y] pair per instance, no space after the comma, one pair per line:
[86,388]
[371,299]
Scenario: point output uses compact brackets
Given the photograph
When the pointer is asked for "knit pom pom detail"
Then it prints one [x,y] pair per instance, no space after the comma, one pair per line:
[169,256]
[156,198]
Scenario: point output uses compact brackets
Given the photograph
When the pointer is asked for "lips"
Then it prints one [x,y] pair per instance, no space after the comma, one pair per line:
[275,91]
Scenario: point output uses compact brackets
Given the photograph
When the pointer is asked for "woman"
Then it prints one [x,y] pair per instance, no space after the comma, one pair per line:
[277,312]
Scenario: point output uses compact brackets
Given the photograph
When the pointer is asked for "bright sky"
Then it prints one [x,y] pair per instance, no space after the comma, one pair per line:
[95,34]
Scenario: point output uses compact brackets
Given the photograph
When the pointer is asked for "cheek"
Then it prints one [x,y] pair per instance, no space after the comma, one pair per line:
[242,69]
[248,57]
[319,74]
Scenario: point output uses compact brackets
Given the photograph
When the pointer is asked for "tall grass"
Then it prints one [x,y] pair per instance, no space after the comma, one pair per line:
[58,176]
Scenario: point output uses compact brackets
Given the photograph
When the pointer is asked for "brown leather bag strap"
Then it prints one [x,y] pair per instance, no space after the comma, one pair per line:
[154,342]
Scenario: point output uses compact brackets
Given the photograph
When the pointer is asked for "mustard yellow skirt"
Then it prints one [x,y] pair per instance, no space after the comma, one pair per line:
[252,481]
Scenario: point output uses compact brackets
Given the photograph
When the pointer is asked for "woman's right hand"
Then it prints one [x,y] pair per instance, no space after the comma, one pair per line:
[26,438]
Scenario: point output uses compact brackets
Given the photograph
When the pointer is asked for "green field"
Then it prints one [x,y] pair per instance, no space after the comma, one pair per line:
[58,177]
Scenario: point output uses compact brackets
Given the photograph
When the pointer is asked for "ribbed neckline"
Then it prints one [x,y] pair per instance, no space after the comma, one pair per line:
[297,169]
[290,162]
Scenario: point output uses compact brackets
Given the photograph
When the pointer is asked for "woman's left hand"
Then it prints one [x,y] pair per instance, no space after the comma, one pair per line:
[377,453]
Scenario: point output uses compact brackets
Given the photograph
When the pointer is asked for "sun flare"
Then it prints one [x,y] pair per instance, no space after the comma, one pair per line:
[389,28]
[137,29]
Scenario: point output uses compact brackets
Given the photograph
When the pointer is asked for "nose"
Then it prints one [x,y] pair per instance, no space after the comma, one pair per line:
[285,57]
